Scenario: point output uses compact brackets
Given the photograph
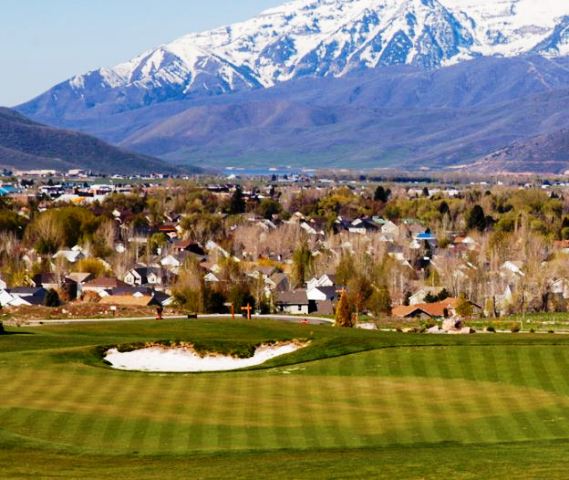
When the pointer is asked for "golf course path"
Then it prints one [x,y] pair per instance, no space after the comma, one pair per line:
[283,318]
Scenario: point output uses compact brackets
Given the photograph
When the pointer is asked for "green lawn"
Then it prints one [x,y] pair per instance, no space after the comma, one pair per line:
[354,404]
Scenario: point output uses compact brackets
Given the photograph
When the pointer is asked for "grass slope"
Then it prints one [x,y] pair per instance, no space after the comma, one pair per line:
[353,404]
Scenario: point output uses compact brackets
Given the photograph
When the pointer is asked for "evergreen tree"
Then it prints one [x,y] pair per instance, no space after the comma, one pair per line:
[237,202]
[381,194]
[344,313]
[444,208]
[52,299]
[476,219]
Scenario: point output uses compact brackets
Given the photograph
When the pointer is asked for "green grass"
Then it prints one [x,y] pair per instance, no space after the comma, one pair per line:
[354,404]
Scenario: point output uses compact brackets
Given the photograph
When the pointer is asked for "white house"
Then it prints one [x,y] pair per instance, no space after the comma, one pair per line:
[321,294]
[72,256]
[322,281]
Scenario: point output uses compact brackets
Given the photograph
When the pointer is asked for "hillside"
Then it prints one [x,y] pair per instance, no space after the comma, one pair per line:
[541,153]
[25,144]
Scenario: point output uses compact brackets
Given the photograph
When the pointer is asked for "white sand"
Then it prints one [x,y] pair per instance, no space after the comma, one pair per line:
[185,359]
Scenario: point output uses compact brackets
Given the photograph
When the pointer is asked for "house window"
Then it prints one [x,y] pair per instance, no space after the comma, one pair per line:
[300,308]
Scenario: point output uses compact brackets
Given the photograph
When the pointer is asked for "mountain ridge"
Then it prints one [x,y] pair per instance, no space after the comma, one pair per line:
[316,38]
[25,145]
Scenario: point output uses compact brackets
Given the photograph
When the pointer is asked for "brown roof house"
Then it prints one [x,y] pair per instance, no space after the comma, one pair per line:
[294,302]
[103,286]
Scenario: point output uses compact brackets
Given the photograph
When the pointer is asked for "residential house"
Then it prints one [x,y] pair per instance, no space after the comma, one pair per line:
[443,309]
[72,256]
[144,275]
[294,302]
[363,226]
[278,282]
[23,296]
[103,286]
[321,294]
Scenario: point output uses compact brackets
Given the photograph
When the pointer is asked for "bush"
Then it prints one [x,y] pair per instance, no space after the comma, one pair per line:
[491,329]
[551,331]
[515,328]
[2,331]
[532,330]
[52,299]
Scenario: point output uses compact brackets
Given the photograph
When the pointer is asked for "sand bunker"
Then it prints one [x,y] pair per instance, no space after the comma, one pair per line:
[186,359]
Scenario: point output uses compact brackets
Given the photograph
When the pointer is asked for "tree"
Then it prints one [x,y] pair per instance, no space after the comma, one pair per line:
[345,269]
[93,266]
[444,208]
[344,312]
[380,301]
[189,290]
[269,207]
[302,264]
[464,308]
[237,202]
[52,299]
[360,289]
[475,219]
[381,194]
[157,241]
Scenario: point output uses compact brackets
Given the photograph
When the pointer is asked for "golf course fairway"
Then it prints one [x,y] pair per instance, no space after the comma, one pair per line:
[352,404]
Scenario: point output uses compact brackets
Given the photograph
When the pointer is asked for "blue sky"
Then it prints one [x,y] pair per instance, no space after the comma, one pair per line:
[47,41]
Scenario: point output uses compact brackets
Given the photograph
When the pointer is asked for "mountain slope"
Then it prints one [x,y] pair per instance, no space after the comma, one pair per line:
[25,144]
[313,38]
[399,116]
[548,152]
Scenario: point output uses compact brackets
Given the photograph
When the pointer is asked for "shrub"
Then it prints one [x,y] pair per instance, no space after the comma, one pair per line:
[491,329]
[2,331]
[52,299]
[532,330]
[551,331]
[515,328]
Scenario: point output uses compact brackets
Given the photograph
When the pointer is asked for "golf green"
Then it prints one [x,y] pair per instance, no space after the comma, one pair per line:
[353,404]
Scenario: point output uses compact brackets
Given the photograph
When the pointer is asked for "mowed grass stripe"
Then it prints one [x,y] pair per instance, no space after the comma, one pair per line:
[541,370]
[29,385]
[310,406]
[118,430]
[527,376]
[72,397]
[559,364]
[360,416]
[195,399]
[398,433]
[331,393]
[419,366]
[169,427]
[503,426]
[145,401]
[51,422]
[512,374]
[441,425]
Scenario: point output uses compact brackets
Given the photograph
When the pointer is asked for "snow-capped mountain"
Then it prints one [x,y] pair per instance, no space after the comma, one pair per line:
[317,38]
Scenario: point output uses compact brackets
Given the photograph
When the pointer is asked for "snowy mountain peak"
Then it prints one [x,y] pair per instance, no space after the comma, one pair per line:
[315,38]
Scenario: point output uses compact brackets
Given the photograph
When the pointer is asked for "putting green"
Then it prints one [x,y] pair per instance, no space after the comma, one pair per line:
[346,392]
